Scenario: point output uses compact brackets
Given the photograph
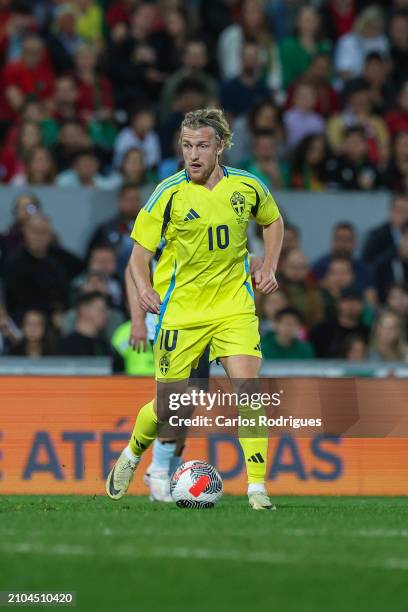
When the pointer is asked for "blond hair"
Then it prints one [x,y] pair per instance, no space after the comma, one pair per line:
[398,347]
[210,117]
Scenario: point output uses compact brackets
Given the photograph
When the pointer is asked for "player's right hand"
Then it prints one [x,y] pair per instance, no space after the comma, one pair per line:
[138,336]
[150,301]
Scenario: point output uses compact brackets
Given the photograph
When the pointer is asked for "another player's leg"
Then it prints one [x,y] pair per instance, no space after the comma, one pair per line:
[167,453]
[143,434]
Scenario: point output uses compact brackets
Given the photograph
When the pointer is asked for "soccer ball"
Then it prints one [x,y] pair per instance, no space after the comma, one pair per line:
[196,484]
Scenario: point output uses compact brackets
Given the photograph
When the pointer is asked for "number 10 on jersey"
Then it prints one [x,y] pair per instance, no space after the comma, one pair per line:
[221,237]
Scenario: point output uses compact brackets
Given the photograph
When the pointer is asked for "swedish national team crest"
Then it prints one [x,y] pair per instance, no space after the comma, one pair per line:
[164,364]
[238,203]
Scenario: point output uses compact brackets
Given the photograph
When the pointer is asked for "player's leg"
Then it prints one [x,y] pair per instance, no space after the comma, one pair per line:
[174,355]
[168,447]
[236,345]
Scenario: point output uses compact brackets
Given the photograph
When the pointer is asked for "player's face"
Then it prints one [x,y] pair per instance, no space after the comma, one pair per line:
[201,152]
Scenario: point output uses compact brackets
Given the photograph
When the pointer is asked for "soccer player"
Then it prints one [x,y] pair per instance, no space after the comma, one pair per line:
[202,290]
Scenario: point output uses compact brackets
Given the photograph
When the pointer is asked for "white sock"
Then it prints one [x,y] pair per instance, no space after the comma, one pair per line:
[163,453]
[256,487]
[131,455]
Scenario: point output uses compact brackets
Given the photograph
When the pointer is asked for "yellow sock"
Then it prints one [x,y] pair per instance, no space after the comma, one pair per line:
[255,448]
[145,429]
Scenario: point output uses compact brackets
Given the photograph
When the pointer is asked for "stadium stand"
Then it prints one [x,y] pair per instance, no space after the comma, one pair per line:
[90,105]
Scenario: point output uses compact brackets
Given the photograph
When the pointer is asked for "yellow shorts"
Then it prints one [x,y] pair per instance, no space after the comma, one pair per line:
[176,352]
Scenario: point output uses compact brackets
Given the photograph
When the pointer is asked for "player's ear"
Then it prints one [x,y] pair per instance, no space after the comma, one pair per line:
[221,147]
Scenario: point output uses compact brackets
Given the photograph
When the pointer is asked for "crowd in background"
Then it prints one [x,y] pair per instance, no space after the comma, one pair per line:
[92,95]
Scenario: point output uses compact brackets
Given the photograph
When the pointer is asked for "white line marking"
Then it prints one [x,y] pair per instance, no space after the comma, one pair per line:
[266,557]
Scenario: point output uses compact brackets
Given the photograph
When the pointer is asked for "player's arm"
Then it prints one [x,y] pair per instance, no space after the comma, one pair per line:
[266,213]
[139,268]
[150,227]
[265,280]
[138,331]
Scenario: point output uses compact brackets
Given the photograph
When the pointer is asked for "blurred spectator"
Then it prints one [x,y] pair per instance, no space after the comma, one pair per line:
[134,56]
[174,162]
[388,339]
[40,169]
[10,334]
[266,162]
[38,275]
[397,119]
[282,16]
[354,348]
[357,111]
[36,111]
[62,39]
[397,302]
[132,170]
[102,261]
[175,35]
[393,267]
[319,76]
[291,240]
[396,177]
[20,24]
[352,169]
[385,237]
[190,96]
[328,337]
[269,306]
[86,340]
[240,94]
[32,74]
[301,120]
[343,245]
[297,52]
[116,231]
[137,362]
[398,33]
[95,97]
[14,156]
[284,343]
[309,164]
[89,23]
[23,208]
[339,275]
[375,74]
[84,172]
[65,99]
[338,17]
[71,139]
[367,36]
[300,291]
[252,27]
[264,116]
[92,281]
[194,65]
[119,12]
[139,134]
[37,340]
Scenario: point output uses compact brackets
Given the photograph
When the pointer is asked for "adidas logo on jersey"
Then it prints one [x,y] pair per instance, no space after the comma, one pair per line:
[191,215]
[257,458]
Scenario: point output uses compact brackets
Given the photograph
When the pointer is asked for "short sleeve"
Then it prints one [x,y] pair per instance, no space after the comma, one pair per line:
[265,210]
[152,220]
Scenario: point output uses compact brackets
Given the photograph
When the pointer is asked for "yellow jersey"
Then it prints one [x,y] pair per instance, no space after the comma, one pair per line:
[203,275]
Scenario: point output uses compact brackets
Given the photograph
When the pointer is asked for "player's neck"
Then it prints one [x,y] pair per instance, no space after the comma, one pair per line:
[214,178]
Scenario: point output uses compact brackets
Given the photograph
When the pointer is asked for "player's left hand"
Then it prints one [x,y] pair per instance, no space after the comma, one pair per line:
[265,281]
[255,264]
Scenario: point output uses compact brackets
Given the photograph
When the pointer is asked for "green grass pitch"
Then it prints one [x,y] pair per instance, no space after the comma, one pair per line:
[311,554]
